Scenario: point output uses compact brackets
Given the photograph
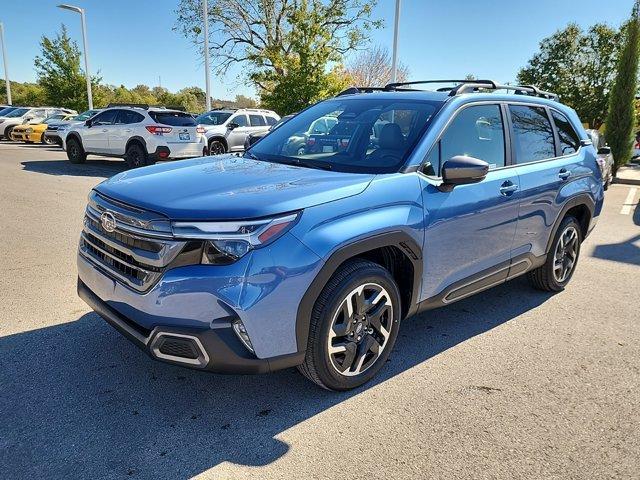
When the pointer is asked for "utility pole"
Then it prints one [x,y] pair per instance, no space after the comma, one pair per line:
[394,61]
[205,19]
[6,62]
[85,43]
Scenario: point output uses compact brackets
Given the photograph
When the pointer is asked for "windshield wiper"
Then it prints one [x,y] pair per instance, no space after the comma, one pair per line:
[248,154]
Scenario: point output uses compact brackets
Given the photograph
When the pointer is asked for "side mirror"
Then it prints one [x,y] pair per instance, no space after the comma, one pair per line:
[604,150]
[232,126]
[462,170]
[27,120]
[88,123]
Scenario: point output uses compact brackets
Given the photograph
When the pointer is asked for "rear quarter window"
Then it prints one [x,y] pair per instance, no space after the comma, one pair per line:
[569,139]
[257,120]
[175,119]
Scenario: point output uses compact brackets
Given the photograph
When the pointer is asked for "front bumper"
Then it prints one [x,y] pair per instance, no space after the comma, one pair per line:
[217,350]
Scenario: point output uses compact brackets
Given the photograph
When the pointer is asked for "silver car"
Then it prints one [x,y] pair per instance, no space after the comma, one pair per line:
[605,158]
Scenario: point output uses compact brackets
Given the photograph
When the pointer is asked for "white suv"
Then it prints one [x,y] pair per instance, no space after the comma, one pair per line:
[21,115]
[139,134]
[227,129]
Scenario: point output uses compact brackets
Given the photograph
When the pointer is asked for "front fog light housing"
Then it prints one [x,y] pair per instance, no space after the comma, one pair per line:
[225,242]
[241,332]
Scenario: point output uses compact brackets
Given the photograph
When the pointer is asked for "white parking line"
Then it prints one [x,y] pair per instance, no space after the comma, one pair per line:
[628,203]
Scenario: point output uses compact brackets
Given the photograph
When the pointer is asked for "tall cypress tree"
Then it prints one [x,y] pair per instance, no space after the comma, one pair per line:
[621,115]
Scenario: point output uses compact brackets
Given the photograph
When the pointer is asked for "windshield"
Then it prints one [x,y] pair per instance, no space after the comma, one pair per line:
[213,118]
[54,118]
[354,135]
[85,115]
[18,112]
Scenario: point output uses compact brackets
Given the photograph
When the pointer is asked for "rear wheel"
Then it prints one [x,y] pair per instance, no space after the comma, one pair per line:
[75,152]
[7,134]
[562,258]
[354,325]
[216,147]
[136,156]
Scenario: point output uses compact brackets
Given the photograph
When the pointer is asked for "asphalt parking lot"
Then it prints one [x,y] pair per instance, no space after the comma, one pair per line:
[511,383]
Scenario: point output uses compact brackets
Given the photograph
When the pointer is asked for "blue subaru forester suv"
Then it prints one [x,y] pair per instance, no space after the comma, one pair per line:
[310,248]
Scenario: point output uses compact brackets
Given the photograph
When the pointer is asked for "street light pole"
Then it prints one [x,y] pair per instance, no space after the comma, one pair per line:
[85,44]
[394,60]
[205,18]
[6,68]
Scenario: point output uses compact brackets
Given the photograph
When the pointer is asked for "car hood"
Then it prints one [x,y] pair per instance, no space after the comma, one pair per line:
[229,187]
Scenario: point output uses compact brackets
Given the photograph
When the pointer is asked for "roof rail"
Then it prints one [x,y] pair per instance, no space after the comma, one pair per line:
[474,85]
[135,105]
[394,86]
[354,90]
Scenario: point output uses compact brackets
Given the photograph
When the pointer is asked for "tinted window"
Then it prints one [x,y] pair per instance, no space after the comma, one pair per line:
[105,118]
[18,112]
[475,132]
[257,120]
[128,116]
[213,118]
[533,135]
[350,135]
[569,139]
[85,115]
[271,120]
[241,120]
[6,110]
[175,119]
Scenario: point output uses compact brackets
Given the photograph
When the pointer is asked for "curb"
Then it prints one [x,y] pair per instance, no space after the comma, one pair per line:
[626,181]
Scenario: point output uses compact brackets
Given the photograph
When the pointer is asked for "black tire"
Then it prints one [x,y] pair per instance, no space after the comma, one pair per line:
[318,366]
[217,147]
[544,277]
[46,141]
[7,134]
[136,156]
[75,152]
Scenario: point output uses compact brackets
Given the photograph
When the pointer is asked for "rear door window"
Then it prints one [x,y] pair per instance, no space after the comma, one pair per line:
[127,117]
[532,132]
[271,120]
[257,120]
[175,119]
[569,139]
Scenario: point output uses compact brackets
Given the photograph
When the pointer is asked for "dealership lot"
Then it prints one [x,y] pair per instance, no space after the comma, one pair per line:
[509,383]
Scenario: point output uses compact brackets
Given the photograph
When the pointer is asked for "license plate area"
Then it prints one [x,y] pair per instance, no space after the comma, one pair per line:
[184,136]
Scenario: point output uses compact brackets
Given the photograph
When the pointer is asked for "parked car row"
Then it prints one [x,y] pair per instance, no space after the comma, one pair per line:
[138,133]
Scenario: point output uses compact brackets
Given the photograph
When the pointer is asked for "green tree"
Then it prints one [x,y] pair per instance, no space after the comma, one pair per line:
[579,66]
[59,73]
[621,117]
[283,44]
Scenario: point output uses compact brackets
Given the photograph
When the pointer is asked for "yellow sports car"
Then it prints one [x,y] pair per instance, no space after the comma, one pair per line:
[32,133]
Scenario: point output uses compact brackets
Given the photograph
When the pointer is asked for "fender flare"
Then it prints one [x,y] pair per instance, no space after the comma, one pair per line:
[397,238]
[575,201]
[219,138]
[75,135]
[138,139]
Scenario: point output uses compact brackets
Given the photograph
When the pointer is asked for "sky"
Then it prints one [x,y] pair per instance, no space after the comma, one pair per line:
[132,41]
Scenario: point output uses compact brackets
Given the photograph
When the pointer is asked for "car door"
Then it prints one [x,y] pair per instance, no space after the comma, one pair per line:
[546,162]
[469,230]
[95,138]
[257,123]
[122,130]
[237,136]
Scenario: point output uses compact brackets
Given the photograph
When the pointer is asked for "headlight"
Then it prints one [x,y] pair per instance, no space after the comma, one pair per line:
[225,242]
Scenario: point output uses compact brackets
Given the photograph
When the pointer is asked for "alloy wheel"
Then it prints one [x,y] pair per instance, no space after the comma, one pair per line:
[566,254]
[360,329]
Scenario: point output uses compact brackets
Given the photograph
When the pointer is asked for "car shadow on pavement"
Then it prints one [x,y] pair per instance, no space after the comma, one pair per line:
[78,400]
[92,168]
[627,251]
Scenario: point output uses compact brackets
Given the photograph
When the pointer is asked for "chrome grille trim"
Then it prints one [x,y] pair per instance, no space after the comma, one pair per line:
[132,255]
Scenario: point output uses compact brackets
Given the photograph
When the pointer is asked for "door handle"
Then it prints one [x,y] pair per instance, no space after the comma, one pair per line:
[564,174]
[507,188]
[104,129]
[127,130]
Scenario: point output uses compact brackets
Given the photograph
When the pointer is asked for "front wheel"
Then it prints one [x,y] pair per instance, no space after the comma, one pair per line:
[562,258]
[354,325]
[216,147]
[75,152]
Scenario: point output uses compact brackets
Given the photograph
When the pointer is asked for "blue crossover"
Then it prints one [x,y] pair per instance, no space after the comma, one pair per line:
[310,248]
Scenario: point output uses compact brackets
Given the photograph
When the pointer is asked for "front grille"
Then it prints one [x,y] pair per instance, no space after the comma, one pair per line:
[179,347]
[132,259]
